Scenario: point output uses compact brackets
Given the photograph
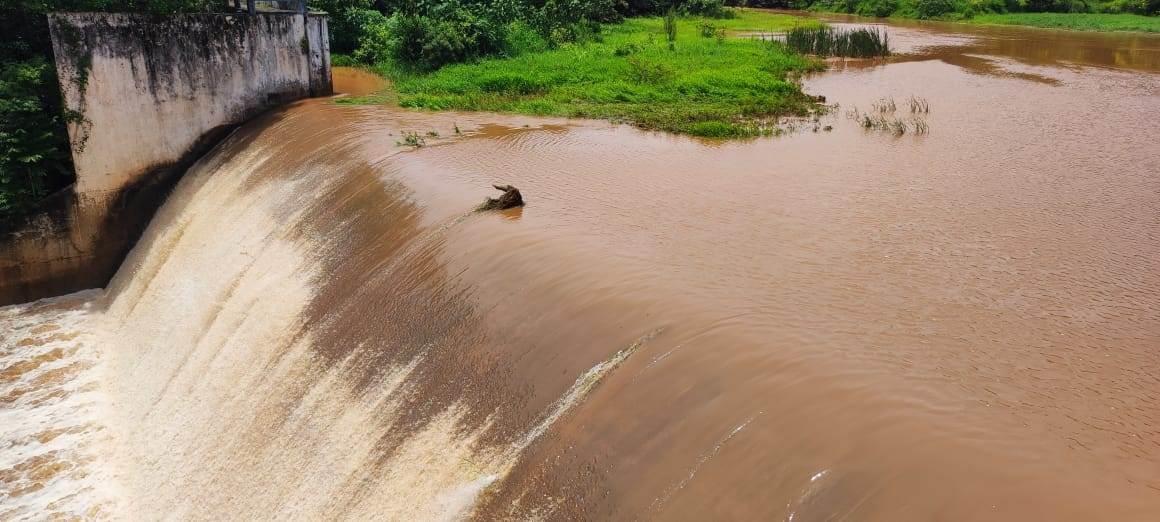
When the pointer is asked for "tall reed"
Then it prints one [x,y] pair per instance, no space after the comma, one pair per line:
[827,41]
[671,27]
[918,105]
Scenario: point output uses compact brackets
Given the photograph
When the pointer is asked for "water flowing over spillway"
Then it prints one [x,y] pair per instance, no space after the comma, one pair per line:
[403,411]
[961,325]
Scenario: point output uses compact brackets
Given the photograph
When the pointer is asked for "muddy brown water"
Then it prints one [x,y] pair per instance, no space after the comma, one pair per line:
[843,325]
[357,82]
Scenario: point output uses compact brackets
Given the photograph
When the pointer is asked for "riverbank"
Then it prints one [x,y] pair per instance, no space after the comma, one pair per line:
[964,13]
[711,82]
[1074,21]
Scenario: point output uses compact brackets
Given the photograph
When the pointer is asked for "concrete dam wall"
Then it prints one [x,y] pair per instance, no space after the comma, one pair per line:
[146,96]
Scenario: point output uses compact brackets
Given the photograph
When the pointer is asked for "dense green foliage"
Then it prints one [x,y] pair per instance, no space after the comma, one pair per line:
[34,154]
[706,85]
[428,34]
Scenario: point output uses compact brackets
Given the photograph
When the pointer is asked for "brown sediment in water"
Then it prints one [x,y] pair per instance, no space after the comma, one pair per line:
[357,82]
[847,324]
[19,368]
[923,40]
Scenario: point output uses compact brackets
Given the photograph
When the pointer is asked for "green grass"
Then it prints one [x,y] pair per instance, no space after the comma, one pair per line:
[1075,21]
[977,12]
[707,86]
[747,20]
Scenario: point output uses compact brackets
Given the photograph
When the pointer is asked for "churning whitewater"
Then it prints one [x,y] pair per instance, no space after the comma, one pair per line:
[958,325]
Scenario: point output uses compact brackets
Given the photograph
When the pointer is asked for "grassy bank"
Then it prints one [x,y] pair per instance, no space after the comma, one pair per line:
[710,83]
[1085,15]
[1074,21]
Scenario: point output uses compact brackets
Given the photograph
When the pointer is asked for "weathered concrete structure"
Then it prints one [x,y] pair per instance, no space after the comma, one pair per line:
[147,96]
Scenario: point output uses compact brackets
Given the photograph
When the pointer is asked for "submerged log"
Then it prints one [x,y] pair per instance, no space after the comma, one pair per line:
[511,198]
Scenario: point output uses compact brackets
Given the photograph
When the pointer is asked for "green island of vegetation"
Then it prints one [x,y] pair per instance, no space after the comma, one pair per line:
[711,81]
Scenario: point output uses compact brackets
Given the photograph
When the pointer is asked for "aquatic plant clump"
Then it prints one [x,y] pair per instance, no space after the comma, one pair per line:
[918,105]
[882,120]
[849,43]
[885,105]
[412,139]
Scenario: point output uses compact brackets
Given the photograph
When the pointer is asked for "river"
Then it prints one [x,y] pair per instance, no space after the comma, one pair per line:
[845,324]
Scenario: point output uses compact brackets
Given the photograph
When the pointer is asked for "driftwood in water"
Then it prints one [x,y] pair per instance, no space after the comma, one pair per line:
[511,198]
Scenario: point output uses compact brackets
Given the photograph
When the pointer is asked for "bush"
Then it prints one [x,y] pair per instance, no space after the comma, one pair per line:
[1056,6]
[428,34]
[879,8]
[628,48]
[424,43]
[778,4]
[34,149]
[521,39]
[838,6]
[641,7]
[987,6]
[428,43]
[561,21]
[348,28]
[933,8]
[707,8]
[643,71]
[1144,7]
[376,42]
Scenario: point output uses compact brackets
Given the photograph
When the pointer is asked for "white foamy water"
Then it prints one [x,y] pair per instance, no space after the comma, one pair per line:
[50,403]
[58,457]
